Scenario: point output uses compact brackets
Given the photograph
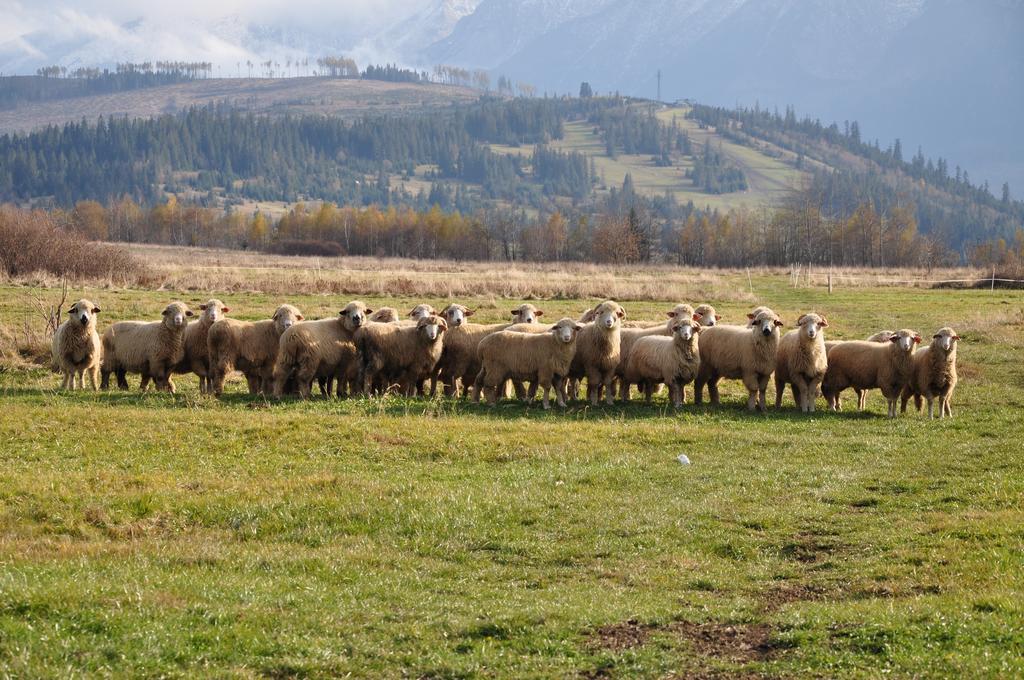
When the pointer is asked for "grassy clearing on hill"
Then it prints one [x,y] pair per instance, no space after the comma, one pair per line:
[165,535]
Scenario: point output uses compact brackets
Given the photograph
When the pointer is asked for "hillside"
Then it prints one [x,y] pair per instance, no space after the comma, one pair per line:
[346,98]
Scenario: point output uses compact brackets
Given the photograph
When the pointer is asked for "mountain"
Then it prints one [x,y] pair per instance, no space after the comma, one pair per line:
[947,75]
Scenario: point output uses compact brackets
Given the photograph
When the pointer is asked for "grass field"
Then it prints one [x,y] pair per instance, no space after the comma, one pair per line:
[158,535]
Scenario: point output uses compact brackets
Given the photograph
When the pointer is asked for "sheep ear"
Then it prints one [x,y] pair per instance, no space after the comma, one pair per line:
[343,312]
[778,323]
[800,321]
[671,315]
[578,327]
[203,307]
[750,316]
[917,339]
[893,338]
[956,337]
[95,310]
[697,317]
[369,311]
[300,317]
[411,312]
[717,317]
[936,336]
[621,312]
[188,312]
[225,309]
[823,323]
[539,313]
[468,312]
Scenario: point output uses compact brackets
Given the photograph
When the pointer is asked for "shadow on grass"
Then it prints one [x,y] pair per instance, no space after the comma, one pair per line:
[391,405]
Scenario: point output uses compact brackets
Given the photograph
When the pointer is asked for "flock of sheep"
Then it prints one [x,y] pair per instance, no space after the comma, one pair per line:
[367,352]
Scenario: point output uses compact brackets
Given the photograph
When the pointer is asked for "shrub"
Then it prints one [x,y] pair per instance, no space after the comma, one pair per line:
[300,247]
[34,241]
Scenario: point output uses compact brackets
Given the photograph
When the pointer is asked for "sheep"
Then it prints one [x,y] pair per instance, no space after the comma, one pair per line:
[628,336]
[250,347]
[862,395]
[597,351]
[934,373]
[801,360]
[881,336]
[150,348]
[320,349]
[76,348]
[864,365]
[420,311]
[400,354]
[384,315]
[708,316]
[744,352]
[542,358]
[459,363]
[197,352]
[656,359]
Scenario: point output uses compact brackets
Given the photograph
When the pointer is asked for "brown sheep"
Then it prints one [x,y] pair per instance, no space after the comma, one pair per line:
[197,352]
[398,354]
[740,352]
[865,365]
[801,361]
[672,360]
[542,358]
[76,348]
[152,349]
[597,351]
[320,349]
[250,347]
[934,373]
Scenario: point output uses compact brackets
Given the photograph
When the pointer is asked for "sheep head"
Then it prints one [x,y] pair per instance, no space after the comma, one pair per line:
[175,315]
[906,340]
[945,339]
[765,321]
[213,310]
[431,327]
[708,315]
[354,315]
[810,324]
[566,330]
[526,313]
[285,317]
[608,314]
[456,314]
[84,312]
[421,311]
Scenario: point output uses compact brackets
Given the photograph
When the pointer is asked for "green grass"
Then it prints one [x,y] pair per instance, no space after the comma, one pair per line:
[145,535]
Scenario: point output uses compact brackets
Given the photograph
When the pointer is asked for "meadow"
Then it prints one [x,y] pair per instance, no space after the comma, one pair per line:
[180,535]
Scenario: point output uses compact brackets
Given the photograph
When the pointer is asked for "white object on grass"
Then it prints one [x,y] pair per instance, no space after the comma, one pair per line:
[683,459]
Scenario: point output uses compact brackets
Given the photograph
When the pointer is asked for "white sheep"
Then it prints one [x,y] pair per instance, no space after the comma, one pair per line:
[801,360]
[740,352]
[321,349]
[865,365]
[670,360]
[197,351]
[542,358]
[628,336]
[934,373]
[251,347]
[399,354]
[597,352]
[151,348]
[708,316]
[76,348]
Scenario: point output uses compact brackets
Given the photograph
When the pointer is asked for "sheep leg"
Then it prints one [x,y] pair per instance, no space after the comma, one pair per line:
[609,389]
[560,390]
[624,386]
[947,404]
[649,391]
[812,395]
[64,379]
[799,393]
[930,404]
[122,379]
[904,398]
[862,399]
[94,374]
[145,381]
[478,385]
[713,396]
[104,379]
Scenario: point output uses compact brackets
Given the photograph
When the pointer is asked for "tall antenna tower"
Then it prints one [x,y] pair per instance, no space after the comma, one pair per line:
[659,84]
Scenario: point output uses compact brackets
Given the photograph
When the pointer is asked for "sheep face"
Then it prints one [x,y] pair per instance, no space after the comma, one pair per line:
[765,322]
[526,313]
[421,312]
[588,316]
[905,339]
[566,329]
[213,310]
[608,314]
[945,339]
[687,331]
[84,312]
[285,317]
[456,315]
[811,325]
[708,316]
[431,327]
[354,315]
[176,315]
[682,312]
